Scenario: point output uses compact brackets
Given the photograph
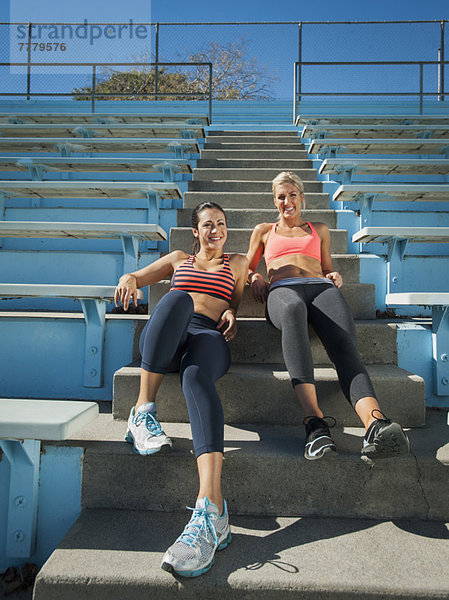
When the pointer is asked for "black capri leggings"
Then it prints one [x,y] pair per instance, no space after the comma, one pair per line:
[291,307]
[177,339]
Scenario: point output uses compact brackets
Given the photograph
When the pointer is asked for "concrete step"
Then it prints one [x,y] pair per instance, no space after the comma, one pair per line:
[251,133]
[276,138]
[249,174]
[257,342]
[271,145]
[225,185]
[110,554]
[265,473]
[263,394]
[261,153]
[244,217]
[249,199]
[360,297]
[275,165]
[238,239]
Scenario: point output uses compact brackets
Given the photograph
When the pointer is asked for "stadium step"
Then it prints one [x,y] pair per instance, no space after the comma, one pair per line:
[251,174]
[259,393]
[243,186]
[249,200]
[238,239]
[269,557]
[243,217]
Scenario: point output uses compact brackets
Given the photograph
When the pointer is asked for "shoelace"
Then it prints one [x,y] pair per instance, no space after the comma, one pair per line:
[151,423]
[200,521]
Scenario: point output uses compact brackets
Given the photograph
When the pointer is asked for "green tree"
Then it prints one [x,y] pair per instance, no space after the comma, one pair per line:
[235,76]
[139,83]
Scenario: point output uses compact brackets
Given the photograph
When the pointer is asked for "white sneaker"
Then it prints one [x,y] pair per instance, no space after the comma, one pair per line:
[145,431]
[193,552]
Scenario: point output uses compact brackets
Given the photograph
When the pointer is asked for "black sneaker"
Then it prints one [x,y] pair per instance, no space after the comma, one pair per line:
[385,439]
[318,438]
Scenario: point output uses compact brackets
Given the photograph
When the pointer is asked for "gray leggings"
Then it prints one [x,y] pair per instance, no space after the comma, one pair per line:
[291,307]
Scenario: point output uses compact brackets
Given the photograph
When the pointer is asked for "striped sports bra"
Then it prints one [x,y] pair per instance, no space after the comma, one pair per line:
[219,284]
[279,245]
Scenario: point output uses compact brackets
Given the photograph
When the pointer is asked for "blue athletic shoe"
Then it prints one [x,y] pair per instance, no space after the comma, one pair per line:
[145,431]
[193,553]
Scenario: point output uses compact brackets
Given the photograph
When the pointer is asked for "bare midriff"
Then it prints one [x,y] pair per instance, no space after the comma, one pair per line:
[293,265]
[208,305]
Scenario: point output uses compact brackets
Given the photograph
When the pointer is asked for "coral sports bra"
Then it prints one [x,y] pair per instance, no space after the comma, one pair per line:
[279,245]
[219,284]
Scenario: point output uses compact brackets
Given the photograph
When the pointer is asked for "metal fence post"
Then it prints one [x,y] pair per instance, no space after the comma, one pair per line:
[299,82]
[30,25]
[156,71]
[210,93]
[421,86]
[94,84]
[441,65]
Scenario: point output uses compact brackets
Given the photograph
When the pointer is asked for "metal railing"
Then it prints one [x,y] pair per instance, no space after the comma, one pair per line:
[299,93]
[94,94]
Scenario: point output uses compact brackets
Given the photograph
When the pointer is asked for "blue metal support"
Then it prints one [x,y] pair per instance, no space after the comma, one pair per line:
[64,150]
[366,203]
[186,134]
[24,459]
[154,206]
[84,132]
[130,247]
[178,149]
[396,252]
[168,172]
[95,317]
[346,174]
[440,344]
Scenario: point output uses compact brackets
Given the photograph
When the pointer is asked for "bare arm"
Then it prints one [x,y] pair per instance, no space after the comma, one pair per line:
[255,252]
[326,259]
[129,283]
[239,266]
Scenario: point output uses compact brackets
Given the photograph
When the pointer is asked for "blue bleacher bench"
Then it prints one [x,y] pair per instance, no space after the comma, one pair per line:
[115,130]
[366,194]
[67,146]
[439,301]
[331,147]
[346,168]
[399,119]
[129,233]
[357,131]
[93,300]
[106,118]
[39,166]
[23,425]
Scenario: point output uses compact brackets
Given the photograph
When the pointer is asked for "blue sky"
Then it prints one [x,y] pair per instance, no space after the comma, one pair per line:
[274,47]
[231,10]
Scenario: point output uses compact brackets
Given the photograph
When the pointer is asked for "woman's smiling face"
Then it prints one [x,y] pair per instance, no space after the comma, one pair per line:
[288,200]
[212,231]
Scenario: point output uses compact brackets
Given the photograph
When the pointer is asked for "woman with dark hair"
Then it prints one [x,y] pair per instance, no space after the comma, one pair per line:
[187,332]
[303,288]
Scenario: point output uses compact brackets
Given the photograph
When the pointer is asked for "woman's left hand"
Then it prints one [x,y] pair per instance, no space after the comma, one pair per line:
[229,321]
[336,278]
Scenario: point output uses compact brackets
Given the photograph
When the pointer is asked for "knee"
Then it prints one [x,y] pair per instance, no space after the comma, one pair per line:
[294,312]
[176,300]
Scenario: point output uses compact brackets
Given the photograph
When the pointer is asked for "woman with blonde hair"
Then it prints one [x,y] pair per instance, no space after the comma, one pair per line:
[303,288]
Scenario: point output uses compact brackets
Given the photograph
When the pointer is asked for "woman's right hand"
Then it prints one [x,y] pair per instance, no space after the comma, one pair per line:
[126,290]
[259,288]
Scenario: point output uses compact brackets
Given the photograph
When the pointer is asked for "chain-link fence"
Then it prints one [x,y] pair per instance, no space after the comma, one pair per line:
[251,61]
